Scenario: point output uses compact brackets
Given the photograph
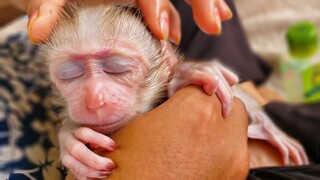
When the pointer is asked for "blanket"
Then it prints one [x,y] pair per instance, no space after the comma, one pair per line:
[28,141]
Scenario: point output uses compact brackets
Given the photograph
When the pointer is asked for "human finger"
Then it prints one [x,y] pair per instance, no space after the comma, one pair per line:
[206,15]
[224,10]
[43,16]
[156,14]
[174,26]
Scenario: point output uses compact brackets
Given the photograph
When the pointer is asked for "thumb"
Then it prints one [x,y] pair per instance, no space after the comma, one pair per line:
[42,18]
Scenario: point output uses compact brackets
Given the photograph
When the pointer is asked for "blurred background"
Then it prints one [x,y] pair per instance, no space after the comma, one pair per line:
[266,23]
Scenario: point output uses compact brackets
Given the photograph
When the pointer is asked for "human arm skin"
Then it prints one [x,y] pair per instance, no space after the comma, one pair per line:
[185,138]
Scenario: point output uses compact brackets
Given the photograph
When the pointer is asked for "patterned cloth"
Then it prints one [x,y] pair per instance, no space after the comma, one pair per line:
[28,141]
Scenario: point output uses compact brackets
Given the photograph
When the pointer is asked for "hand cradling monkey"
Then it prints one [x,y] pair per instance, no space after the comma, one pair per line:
[108,68]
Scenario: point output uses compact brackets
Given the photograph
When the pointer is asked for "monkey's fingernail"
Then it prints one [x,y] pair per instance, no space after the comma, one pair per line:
[32,18]
[226,109]
[111,166]
[113,145]
[164,25]
[105,173]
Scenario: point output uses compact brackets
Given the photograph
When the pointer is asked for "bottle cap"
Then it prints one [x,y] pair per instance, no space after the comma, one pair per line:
[302,39]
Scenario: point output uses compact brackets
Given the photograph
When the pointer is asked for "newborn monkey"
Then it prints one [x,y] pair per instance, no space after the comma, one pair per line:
[108,68]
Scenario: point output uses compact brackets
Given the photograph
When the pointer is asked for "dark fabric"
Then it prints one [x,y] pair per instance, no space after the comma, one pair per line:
[301,122]
[311,172]
[231,47]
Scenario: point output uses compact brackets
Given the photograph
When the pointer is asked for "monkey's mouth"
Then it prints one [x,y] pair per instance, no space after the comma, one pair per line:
[106,128]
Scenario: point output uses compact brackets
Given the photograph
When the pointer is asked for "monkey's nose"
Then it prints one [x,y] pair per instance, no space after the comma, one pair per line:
[95,101]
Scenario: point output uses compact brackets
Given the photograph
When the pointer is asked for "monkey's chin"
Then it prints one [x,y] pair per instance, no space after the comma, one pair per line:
[107,128]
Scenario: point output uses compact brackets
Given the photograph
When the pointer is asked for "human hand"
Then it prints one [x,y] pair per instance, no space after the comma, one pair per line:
[184,138]
[78,158]
[160,15]
[164,20]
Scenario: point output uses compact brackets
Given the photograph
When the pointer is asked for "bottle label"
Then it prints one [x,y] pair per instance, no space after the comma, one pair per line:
[291,79]
[311,83]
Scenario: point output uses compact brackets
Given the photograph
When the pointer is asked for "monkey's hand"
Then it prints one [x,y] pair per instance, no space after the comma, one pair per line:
[261,127]
[212,76]
[78,158]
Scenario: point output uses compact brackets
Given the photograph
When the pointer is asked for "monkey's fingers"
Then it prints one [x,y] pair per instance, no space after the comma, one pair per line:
[195,77]
[276,142]
[230,76]
[224,93]
[295,150]
[79,151]
[263,128]
[95,139]
[301,151]
[80,170]
[294,153]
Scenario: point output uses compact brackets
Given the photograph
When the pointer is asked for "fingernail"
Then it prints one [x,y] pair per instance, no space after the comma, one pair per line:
[227,110]
[111,166]
[218,21]
[176,40]
[32,18]
[113,145]
[164,25]
[217,85]
[227,10]
[175,36]
[105,173]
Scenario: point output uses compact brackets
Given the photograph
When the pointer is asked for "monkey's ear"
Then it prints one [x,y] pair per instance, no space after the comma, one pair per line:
[169,54]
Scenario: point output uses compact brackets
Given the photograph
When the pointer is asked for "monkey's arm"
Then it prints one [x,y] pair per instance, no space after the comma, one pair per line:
[180,140]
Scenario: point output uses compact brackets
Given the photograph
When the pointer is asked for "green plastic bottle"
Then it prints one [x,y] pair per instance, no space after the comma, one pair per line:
[300,68]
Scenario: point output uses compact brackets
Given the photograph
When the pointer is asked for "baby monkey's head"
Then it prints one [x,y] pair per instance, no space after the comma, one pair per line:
[105,64]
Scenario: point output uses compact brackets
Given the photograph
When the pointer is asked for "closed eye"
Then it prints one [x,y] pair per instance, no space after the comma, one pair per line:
[70,70]
[117,65]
